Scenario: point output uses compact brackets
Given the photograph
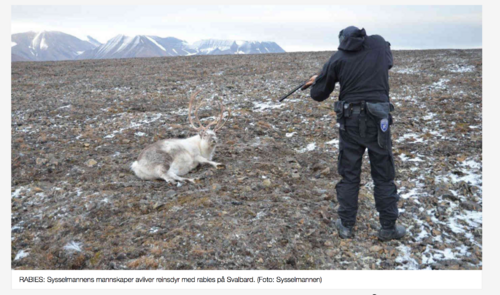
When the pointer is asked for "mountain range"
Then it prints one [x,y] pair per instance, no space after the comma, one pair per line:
[44,46]
[52,46]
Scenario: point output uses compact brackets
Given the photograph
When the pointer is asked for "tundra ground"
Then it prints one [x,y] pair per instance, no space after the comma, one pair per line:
[78,125]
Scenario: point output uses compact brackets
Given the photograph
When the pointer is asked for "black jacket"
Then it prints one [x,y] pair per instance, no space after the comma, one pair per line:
[361,66]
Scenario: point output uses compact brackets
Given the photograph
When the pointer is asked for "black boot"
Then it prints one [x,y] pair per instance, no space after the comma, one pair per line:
[345,232]
[393,232]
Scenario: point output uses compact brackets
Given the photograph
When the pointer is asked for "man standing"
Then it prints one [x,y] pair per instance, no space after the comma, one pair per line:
[361,66]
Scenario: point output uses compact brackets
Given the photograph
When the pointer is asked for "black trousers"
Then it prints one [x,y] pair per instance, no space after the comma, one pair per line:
[351,149]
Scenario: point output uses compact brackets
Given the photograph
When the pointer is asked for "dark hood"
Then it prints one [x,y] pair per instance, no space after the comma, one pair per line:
[352,39]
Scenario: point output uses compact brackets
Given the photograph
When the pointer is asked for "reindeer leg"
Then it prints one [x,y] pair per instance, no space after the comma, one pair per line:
[203,160]
[161,171]
[178,178]
[168,179]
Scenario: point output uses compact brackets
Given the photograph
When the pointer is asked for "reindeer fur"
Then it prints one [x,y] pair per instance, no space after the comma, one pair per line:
[169,159]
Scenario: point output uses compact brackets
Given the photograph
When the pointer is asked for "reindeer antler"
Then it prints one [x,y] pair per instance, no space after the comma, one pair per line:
[219,125]
[198,119]
[198,106]
[193,96]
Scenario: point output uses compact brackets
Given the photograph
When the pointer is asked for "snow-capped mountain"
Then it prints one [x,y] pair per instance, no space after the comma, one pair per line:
[174,46]
[138,46]
[213,46]
[44,46]
[152,46]
[47,46]
[92,41]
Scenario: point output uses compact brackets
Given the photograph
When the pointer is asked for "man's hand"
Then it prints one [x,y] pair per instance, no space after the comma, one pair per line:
[309,83]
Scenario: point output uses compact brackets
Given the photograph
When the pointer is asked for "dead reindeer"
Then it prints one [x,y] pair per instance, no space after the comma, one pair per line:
[169,159]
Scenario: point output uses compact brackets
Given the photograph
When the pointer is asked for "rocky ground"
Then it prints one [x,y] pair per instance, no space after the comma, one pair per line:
[78,125]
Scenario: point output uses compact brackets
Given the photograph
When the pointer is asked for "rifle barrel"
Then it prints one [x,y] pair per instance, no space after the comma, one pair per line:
[291,92]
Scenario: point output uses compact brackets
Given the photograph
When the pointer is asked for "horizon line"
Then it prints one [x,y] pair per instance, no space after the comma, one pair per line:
[120,34]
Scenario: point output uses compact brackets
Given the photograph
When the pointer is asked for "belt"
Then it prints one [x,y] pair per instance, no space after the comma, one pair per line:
[353,108]
[356,109]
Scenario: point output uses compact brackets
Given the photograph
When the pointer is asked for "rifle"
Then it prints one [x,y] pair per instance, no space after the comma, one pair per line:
[295,89]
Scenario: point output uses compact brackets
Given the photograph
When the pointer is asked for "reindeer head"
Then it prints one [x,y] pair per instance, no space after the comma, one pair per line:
[208,137]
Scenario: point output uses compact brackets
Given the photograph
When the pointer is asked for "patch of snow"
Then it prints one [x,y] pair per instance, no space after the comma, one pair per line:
[438,239]
[43,44]
[441,84]
[78,192]
[455,226]
[17,226]
[156,43]
[405,259]
[16,193]
[255,142]
[459,69]
[21,254]
[334,142]
[422,235]
[126,41]
[429,116]
[36,41]
[404,158]
[445,254]
[411,193]
[259,215]
[73,246]
[472,176]
[427,257]
[64,107]
[416,138]
[136,125]
[290,134]
[308,148]
[261,106]
[473,218]
[117,44]
[472,164]
[405,70]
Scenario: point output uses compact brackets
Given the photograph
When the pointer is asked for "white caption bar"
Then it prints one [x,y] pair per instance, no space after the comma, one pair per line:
[244,279]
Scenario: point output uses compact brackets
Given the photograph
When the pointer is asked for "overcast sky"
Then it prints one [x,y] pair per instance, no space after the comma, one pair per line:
[295,28]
